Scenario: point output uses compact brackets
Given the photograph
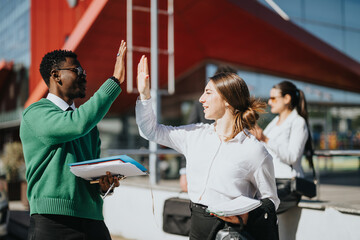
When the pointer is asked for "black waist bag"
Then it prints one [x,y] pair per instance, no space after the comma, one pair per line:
[176,216]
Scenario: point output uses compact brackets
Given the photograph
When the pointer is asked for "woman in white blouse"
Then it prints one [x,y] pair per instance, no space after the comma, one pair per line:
[224,161]
[286,138]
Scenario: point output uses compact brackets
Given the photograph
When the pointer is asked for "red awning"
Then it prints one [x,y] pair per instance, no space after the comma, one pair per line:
[241,32]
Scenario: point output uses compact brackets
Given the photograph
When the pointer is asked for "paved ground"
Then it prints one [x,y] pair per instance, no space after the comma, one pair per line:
[341,190]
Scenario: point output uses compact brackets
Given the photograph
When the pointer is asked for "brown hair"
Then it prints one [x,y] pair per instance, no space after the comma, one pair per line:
[235,92]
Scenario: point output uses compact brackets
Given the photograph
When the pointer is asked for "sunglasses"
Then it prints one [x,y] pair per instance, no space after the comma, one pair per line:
[78,70]
[273,99]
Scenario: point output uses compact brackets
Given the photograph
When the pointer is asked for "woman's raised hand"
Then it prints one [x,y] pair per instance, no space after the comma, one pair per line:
[119,70]
[258,133]
[143,79]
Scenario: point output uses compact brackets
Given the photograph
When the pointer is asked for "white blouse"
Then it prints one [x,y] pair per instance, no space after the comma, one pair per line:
[286,144]
[216,171]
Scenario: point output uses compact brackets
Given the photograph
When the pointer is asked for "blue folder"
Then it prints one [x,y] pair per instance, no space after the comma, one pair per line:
[123,158]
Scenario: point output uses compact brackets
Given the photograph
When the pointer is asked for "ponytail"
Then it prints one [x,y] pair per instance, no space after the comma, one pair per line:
[301,108]
[248,118]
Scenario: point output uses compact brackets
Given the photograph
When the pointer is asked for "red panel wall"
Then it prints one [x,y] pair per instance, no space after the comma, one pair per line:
[51,23]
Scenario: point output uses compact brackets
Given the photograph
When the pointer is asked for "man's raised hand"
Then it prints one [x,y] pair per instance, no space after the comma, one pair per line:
[119,70]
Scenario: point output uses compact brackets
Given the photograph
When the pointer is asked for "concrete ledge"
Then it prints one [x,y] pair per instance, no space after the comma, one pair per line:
[322,205]
[132,205]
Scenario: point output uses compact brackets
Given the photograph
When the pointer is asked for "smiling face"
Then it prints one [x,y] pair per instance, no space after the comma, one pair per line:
[277,102]
[214,105]
[72,83]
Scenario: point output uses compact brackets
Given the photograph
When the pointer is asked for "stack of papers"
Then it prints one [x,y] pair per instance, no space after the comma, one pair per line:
[237,206]
[116,165]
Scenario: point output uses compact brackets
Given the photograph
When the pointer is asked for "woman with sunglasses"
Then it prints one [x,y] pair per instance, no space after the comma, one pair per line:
[224,161]
[286,138]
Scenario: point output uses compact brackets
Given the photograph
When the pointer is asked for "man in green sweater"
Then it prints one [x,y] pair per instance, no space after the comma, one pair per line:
[54,133]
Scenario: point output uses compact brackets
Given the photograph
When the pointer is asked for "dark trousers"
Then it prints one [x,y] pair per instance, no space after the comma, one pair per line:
[261,224]
[60,227]
[203,225]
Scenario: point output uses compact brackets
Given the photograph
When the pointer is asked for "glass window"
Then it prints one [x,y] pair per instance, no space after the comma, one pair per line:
[352,16]
[14,31]
[251,80]
[352,46]
[324,11]
[291,8]
[333,36]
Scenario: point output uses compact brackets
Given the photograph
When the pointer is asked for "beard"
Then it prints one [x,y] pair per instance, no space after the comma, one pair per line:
[81,94]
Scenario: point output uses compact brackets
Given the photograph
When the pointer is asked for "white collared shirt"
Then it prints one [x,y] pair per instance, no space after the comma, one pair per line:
[216,171]
[60,102]
[286,144]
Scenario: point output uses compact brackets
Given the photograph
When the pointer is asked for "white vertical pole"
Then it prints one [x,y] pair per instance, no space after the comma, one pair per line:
[171,64]
[129,45]
[154,88]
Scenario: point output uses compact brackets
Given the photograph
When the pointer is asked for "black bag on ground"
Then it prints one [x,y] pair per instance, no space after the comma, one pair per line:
[176,216]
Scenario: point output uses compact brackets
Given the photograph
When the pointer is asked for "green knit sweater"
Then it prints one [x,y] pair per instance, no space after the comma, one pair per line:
[51,140]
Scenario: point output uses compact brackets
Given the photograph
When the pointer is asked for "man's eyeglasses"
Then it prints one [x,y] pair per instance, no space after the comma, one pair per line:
[78,70]
[273,99]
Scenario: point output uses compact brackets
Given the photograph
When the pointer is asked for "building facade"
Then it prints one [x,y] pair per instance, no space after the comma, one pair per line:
[317,48]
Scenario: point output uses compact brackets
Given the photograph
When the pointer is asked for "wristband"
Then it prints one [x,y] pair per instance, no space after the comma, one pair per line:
[115,80]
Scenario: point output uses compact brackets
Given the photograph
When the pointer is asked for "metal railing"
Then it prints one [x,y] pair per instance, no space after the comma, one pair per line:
[143,152]
[329,154]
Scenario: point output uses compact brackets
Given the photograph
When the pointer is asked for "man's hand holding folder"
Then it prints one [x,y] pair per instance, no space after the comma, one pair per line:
[117,165]
[108,181]
[107,171]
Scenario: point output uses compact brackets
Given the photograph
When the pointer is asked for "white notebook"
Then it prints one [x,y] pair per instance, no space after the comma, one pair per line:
[117,165]
[237,206]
